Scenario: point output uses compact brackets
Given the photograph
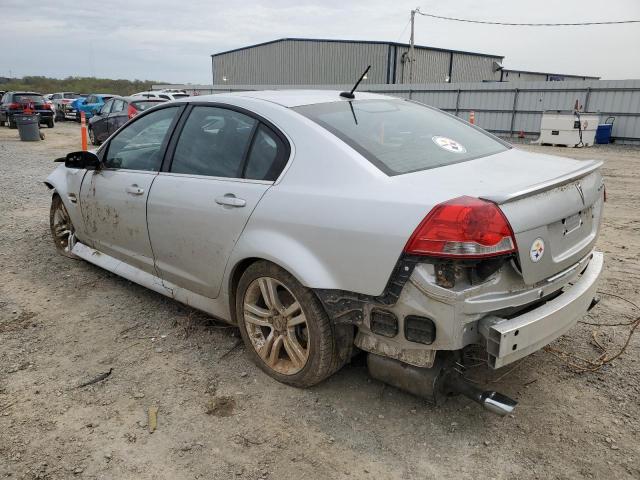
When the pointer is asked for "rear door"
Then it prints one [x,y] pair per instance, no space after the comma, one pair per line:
[114,122]
[222,164]
[113,199]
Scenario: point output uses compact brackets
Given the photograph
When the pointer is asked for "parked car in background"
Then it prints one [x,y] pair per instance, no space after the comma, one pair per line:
[318,223]
[114,113]
[91,104]
[62,102]
[14,103]
[170,94]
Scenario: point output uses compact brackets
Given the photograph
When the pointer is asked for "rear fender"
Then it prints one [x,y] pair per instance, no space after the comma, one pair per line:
[284,251]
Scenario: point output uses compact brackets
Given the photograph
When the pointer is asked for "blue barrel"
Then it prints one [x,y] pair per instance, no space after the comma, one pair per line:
[603,133]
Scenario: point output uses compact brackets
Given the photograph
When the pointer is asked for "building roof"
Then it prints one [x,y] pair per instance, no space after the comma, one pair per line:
[375,42]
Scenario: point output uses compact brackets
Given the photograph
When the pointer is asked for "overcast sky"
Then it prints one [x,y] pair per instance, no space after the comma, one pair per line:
[171,41]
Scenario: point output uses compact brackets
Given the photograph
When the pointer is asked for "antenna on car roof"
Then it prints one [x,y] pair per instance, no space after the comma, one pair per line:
[350,94]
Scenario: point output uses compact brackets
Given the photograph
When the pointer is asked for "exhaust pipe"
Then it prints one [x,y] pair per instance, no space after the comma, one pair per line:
[435,383]
[495,402]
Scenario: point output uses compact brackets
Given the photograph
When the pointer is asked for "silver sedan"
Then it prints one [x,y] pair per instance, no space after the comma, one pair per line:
[323,225]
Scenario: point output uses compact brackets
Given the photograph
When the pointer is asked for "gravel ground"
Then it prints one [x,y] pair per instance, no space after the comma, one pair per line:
[62,322]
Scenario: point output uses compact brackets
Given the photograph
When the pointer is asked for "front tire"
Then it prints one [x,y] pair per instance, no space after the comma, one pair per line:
[92,137]
[284,327]
[61,226]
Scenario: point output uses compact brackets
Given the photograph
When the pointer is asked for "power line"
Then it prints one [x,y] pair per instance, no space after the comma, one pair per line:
[509,24]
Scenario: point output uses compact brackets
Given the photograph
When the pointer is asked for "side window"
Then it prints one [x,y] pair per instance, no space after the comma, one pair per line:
[118,106]
[267,157]
[166,97]
[56,96]
[106,107]
[139,145]
[213,142]
[91,99]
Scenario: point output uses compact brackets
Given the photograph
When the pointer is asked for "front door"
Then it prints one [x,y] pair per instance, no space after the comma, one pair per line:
[221,167]
[113,199]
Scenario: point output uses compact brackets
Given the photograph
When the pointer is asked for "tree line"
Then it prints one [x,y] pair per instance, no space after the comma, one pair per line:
[85,85]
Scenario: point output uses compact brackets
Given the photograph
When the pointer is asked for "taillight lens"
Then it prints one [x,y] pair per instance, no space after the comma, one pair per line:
[46,106]
[131,111]
[464,227]
[15,106]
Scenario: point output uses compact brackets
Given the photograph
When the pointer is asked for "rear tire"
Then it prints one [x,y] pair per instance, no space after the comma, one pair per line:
[12,124]
[294,345]
[50,123]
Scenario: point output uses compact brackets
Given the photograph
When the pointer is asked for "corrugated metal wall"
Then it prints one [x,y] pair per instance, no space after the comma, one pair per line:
[308,62]
[301,63]
[503,108]
[511,76]
[472,68]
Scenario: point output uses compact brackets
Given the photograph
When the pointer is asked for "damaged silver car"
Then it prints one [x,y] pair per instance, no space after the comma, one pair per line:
[320,224]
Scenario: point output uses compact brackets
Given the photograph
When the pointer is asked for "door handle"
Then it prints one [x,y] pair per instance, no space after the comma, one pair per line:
[231,200]
[135,190]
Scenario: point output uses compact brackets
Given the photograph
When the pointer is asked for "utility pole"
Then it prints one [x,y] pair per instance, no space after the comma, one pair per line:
[412,56]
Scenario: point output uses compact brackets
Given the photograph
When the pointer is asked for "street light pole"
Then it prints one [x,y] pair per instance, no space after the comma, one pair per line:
[411,46]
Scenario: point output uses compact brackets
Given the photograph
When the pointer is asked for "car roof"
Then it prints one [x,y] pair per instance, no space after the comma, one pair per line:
[290,98]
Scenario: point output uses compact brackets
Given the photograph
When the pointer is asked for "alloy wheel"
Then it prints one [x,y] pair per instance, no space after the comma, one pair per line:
[276,325]
[61,227]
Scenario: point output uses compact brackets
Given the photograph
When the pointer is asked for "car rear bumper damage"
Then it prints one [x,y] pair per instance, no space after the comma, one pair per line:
[415,317]
[508,340]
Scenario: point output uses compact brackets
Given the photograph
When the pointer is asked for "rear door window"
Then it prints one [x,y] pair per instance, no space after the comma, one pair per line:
[106,108]
[400,136]
[141,106]
[118,106]
[267,157]
[213,142]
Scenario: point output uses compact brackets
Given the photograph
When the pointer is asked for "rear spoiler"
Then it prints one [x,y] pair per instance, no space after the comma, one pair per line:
[590,166]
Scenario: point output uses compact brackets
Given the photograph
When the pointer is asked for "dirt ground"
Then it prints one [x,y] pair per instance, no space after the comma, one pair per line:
[63,322]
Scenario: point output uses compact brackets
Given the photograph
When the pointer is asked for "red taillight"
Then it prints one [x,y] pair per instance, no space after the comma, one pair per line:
[15,106]
[66,100]
[464,227]
[46,106]
[132,111]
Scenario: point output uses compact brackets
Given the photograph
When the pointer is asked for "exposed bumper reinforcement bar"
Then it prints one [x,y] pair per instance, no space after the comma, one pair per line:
[509,340]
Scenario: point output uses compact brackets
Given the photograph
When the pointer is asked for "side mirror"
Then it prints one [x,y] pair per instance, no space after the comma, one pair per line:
[81,159]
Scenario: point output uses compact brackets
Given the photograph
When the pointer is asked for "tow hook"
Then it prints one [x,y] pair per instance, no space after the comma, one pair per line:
[436,383]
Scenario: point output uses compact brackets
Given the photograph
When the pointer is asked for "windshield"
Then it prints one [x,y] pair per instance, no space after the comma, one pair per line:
[400,136]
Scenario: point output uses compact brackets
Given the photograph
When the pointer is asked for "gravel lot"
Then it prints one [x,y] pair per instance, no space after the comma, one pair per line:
[62,322]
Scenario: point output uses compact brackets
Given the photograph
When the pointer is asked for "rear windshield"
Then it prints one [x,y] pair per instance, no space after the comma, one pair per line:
[71,95]
[400,136]
[25,98]
[144,105]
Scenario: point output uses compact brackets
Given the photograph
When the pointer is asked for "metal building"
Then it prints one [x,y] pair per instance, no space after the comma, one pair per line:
[304,61]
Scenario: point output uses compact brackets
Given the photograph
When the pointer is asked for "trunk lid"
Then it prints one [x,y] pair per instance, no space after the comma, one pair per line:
[554,204]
